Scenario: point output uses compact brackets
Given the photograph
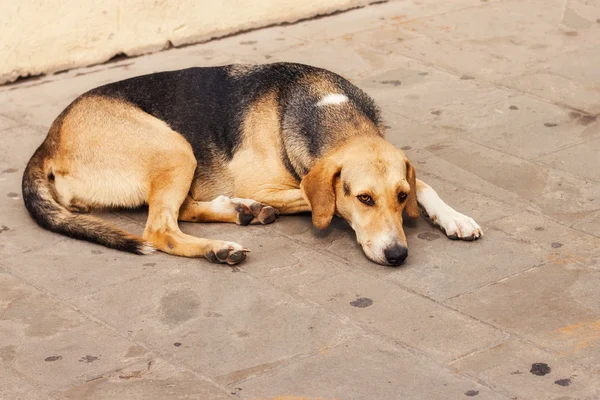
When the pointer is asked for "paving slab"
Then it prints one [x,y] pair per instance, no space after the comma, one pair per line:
[591,224]
[527,372]
[182,312]
[555,306]
[569,79]
[525,127]
[558,244]
[429,98]
[52,344]
[155,379]
[406,317]
[499,39]
[15,386]
[579,159]
[341,373]
[565,197]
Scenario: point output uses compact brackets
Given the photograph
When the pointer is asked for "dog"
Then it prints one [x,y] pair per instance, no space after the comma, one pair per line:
[236,143]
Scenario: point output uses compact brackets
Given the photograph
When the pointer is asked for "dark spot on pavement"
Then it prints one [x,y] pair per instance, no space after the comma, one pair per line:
[563,382]
[571,33]
[268,57]
[407,148]
[517,372]
[96,252]
[513,108]
[4,228]
[467,77]
[149,264]
[279,38]
[246,42]
[12,195]
[472,393]
[428,236]
[387,127]
[176,344]
[583,119]
[423,73]
[400,39]
[437,112]
[556,245]
[88,359]
[540,369]
[211,314]
[362,302]
[394,82]
[10,170]
[53,358]
[539,228]
[179,307]
[236,391]
[550,124]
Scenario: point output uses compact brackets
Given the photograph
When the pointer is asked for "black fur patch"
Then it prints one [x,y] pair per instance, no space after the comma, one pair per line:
[347,190]
[208,105]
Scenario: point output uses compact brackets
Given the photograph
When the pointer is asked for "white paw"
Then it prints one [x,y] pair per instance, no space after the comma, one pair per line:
[459,226]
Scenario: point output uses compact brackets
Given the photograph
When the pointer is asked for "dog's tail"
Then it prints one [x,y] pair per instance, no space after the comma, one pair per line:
[39,195]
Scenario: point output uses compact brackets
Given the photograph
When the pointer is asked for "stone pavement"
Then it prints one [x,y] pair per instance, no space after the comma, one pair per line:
[496,104]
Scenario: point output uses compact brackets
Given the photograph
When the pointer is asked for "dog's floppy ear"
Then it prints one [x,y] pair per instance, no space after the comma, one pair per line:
[412,208]
[319,192]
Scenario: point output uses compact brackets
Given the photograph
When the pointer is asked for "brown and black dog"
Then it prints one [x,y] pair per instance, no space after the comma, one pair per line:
[238,143]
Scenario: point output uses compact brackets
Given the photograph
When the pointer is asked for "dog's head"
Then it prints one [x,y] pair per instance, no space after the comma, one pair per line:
[369,183]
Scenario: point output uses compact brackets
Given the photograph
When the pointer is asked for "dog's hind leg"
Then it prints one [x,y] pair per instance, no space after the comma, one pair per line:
[227,209]
[454,224]
[167,192]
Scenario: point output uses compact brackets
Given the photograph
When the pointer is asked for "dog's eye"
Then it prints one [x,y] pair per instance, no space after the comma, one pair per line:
[365,199]
[402,197]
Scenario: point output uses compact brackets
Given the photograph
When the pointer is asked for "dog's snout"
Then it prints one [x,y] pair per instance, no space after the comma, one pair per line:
[395,255]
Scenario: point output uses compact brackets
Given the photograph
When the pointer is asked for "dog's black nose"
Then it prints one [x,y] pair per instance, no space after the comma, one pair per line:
[395,255]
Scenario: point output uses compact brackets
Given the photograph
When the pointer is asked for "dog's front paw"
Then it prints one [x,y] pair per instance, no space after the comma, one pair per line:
[226,253]
[458,226]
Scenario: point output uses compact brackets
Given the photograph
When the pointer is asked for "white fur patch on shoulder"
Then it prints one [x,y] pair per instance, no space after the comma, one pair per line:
[332,99]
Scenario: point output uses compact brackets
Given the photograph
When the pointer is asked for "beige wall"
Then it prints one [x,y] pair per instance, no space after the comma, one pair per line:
[42,36]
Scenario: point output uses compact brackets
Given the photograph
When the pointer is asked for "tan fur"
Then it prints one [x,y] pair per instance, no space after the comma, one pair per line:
[318,188]
[101,162]
[412,208]
[262,180]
